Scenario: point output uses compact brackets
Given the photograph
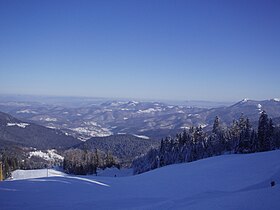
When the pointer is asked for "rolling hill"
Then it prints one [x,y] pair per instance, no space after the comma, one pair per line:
[123,146]
[17,132]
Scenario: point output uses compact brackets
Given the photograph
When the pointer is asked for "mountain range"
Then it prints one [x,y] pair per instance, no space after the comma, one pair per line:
[154,120]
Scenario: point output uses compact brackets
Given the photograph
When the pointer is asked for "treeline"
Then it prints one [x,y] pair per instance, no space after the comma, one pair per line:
[196,144]
[13,158]
[83,162]
[9,164]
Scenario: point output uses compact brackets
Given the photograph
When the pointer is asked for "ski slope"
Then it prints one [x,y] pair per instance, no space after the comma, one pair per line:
[226,182]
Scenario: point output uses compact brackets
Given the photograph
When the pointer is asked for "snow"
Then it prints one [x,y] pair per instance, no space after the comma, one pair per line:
[48,119]
[51,127]
[26,111]
[141,136]
[276,99]
[21,125]
[203,125]
[150,110]
[224,182]
[185,127]
[50,155]
[244,100]
[132,103]
[92,132]
[43,173]
[111,172]
[259,108]
[91,123]
[32,174]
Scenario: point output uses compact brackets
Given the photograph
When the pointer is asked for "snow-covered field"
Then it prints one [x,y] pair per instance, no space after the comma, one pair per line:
[224,182]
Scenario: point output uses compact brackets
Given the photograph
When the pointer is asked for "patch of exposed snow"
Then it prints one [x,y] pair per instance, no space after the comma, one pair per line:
[91,123]
[276,99]
[26,111]
[49,119]
[21,125]
[50,155]
[82,138]
[203,125]
[38,173]
[92,131]
[259,106]
[107,110]
[51,127]
[150,110]
[244,100]
[185,127]
[141,136]
[125,118]
[132,103]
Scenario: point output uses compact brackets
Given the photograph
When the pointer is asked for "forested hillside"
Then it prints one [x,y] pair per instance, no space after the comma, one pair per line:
[196,144]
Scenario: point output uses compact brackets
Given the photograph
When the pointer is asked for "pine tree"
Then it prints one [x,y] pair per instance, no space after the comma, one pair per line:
[216,125]
[254,141]
[264,133]
[244,136]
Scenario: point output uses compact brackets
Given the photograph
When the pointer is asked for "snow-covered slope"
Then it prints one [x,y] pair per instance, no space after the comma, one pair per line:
[39,173]
[224,182]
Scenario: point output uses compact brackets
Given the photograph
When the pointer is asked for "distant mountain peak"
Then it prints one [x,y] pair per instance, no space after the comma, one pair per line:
[245,100]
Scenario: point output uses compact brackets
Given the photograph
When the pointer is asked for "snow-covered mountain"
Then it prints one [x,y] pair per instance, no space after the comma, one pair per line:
[17,132]
[225,182]
[152,119]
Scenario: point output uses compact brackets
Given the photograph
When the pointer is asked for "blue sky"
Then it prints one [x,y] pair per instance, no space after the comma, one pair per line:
[180,50]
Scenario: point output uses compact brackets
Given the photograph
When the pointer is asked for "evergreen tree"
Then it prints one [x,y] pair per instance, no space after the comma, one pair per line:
[264,135]
[216,125]
[244,136]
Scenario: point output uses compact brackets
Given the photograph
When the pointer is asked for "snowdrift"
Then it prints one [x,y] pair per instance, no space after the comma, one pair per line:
[224,182]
